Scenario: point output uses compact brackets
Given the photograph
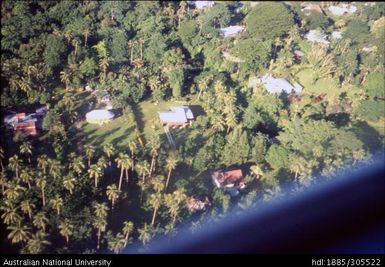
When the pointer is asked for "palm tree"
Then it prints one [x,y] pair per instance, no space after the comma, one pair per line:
[297,166]
[256,170]
[1,158]
[42,162]
[358,155]
[90,150]
[26,177]
[54,168]
[171,163]
[66,230]
[155,201]
[133,147]
[41,183]
[108,149]
[102,163]
[95,172]
[3,181]
[13,191]
[103,65]
[112,193]
[203,85]
[75,44]
[77,165]
[124,163]
[145,234]
[173,201]
[116,244]
[100,224]
[15,164]
[86,33]
[100,209]
[142,168]
[158,183]
[40,220]
[26,149]
[65,78]
[154,144]
[128,228]
[26,206]
[69,183]
[57,204]
[37,242]
[10,216]
[19,234]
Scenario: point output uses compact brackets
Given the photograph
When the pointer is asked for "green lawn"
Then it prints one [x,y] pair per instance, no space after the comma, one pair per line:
[119,131]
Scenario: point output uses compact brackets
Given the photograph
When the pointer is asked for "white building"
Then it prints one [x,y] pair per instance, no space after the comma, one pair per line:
[202,4]
[337,35]
[342,9]
[316,36]
[277,85]
[231,31]
[176,116]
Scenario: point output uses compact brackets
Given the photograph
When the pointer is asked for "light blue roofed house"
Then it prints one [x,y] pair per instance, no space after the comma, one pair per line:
[231,31]
[277,85]
[176,116]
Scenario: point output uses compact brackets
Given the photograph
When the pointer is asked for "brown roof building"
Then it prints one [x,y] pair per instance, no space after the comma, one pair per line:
[228,179]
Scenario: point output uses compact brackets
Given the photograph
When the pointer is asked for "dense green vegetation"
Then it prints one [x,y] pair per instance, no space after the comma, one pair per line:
[82,188]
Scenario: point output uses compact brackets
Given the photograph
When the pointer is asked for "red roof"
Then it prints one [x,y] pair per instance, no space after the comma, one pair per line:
[229,177]
[28,128]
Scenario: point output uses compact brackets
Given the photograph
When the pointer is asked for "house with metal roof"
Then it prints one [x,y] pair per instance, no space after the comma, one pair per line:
[201,4]
[316,36]
[176,116]
[231,31]
[277,85]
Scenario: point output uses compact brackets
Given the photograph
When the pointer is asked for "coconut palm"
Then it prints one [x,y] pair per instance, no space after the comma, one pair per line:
[142,168]
[10,216]
[42,163]
[124,163]
[1,158]
[155,201]
[15,164]
[65,78]
[26,207]
[358,155]
[100,224]
[133,147]
[66,230]
[128,228]
[37,243]
[171,163]
[86,33]
[54,168]
[116,243]
[26,149]
[26,177]
[40,220]
[95,172]
[108,149]
[102,163]
[57,203]
[89,150]
[100,209]
[154,145]
[112,193]
[297,166]
[145,234]
[41,183]
[69,183]
[19,233]
[77,165]
[3,181]
[13,191]
[256,170]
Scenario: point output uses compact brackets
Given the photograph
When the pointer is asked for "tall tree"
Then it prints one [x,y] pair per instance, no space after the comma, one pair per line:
[66,230]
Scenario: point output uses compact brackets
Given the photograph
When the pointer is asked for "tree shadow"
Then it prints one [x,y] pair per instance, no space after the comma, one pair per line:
[368,135]
[340,119]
